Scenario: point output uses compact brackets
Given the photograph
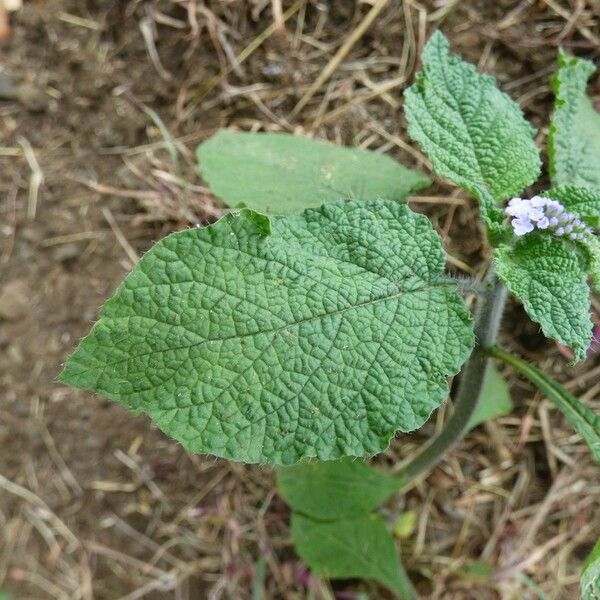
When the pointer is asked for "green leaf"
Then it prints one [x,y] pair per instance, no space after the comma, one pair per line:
[495,400]
[405,524]
[581,418]
[474,134]
[334,489]
[591,248]
[360,547]
[279,174]
[574,139]
[549,278]
[584,202]
[322,339]
[476,572]
[590,576]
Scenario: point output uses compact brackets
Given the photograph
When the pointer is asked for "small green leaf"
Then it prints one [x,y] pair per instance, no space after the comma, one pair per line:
[582,419]
[360,547]
[476,572]
[334,489]
[405,524]
[474,134]
[321,339]
[495,400]
[548,276]
[590,576]
[584,202]
[574,139]
[279,174]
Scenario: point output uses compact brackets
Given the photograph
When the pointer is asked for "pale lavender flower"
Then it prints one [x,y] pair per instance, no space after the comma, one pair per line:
[543,213]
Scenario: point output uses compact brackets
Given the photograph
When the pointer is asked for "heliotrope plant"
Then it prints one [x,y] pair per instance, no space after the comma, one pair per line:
[314,321]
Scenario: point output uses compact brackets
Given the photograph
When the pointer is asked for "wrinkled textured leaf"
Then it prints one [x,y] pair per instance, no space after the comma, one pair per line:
[495,400]
[334,489]
[591,250]
[574,139]
[278,173]
[360,547]
[585,421]
[321,339]
[584,202]
[548,276]
[474,134]
[590,576]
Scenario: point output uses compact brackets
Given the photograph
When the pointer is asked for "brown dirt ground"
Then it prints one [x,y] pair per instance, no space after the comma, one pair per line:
[96,503]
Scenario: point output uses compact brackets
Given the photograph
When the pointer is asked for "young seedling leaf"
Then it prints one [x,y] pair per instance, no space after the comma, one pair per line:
[334,489]
[548,276]
[582,419]
[359,547]
[280,174]
[495,399]
[574,139]
[321,339]
[474,134]
[590,576]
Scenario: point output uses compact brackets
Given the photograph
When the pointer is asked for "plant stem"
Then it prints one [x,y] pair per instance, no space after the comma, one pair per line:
[488,315]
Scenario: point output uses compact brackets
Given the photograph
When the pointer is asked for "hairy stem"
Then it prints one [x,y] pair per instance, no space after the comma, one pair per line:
[488,315]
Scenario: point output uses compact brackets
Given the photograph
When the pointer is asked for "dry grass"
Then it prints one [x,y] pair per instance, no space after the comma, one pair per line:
[96,504]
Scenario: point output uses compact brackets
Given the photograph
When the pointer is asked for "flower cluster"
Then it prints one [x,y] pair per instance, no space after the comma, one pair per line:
[543,213]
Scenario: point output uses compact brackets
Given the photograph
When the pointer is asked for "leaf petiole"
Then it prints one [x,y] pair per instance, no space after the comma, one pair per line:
[488,316]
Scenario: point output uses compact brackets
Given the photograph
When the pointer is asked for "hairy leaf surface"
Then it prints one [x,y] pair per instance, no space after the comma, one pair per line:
[590,576]
[574,140]
[334,489]
[584,202]
[278,173]
[360,547]
[474,134]
[321,336]
[548,276]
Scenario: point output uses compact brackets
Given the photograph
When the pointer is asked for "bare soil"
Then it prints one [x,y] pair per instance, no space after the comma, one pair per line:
[96,164]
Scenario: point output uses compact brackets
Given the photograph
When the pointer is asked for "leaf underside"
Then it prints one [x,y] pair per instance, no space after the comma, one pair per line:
[474,134]
[574,139]
[547,275]
[321,339]
[358,547]
[279,174]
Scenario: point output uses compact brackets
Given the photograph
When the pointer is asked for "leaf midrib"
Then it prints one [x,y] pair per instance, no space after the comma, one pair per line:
[273,331]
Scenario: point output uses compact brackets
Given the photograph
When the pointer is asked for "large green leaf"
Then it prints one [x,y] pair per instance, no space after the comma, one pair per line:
[548,276]
[574,140]
[360,547]
[321,336]
[582,419]
[495,400]
[279,174]
[590,576]
[334,489]
[474,134]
